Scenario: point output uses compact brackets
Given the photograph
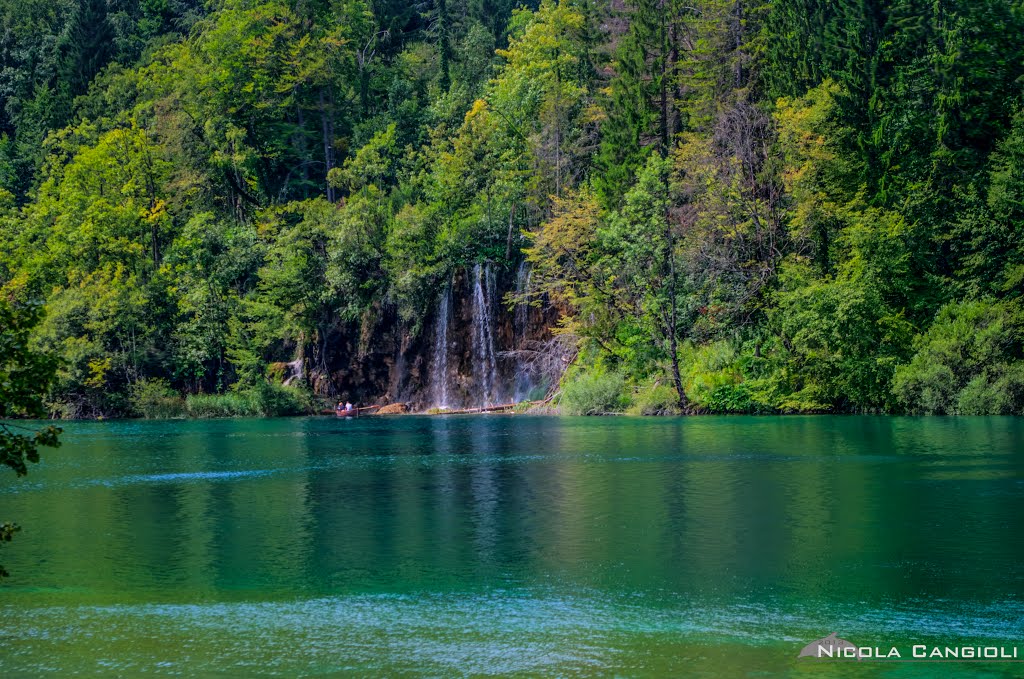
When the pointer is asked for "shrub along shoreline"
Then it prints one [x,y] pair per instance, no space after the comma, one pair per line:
[155,399]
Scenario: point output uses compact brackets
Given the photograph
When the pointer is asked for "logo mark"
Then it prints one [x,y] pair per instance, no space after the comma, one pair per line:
[830,647]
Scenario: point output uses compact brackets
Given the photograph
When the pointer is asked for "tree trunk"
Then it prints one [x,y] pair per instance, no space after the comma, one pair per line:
[673,329]
[663,56]
[300,146]
[326,124]
[673,342]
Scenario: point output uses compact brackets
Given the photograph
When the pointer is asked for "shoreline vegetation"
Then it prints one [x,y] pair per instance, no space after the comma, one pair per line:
[155,399]
[250,207]
[159,401]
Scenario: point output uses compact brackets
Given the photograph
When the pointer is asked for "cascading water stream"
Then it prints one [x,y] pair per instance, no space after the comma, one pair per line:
[442,344]
[522,312]
[485,364]
[521,319]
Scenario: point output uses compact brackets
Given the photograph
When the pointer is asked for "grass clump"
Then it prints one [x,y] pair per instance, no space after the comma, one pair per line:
[275,400]
[155,400]
[655,399]
[229,404]
[264,399]
[593,393]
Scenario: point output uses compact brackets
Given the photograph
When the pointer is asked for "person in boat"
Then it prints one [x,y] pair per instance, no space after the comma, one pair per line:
[348,407]
[340,407]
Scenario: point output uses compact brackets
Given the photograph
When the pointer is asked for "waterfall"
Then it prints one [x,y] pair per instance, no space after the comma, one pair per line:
[398,375]
[521,320]
[295,372]
[485,364]
[522,313]
[441,346]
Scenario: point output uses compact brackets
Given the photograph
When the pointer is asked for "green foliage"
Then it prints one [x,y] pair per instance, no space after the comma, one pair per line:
[639,112]
[992,229]
[593,392]
[231,404]
[654,399]
[275,400]
[968,362]
[25,375]
[714,379]
[263,399]
[1000,392]
[7,531]
[154,399]
[840,340]
[731,398]
[99,327]
[210,261]
[756,205]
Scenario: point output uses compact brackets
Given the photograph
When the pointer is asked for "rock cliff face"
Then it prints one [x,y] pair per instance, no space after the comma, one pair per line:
[474,350]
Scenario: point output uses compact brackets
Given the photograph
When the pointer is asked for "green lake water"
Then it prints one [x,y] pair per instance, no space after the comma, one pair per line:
[410,546]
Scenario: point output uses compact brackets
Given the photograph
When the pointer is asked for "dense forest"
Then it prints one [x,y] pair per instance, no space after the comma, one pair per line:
[655,206]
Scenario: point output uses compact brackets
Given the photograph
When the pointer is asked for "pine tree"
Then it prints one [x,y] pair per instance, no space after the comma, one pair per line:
[640,108]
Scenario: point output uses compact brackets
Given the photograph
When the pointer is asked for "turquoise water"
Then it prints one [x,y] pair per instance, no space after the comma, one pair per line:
[489,545]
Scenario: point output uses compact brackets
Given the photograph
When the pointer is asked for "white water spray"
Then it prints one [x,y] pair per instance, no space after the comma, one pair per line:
[523,384]
[441,347]
[485,362]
